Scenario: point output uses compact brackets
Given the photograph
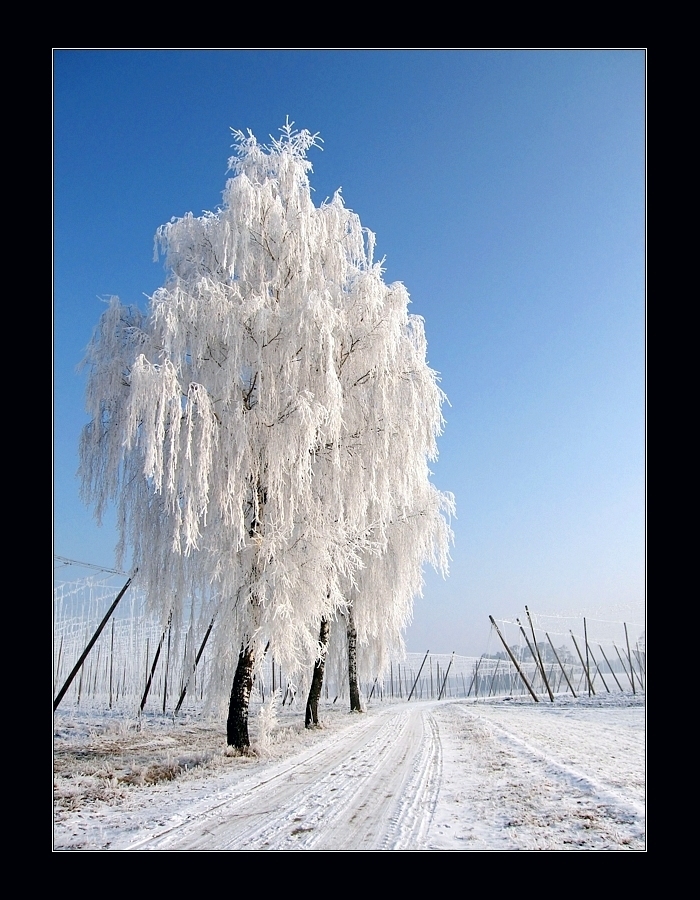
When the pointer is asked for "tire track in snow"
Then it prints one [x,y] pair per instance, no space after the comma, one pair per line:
[508,784]
[229,798]
[375,787]
[558,769]
[412,824]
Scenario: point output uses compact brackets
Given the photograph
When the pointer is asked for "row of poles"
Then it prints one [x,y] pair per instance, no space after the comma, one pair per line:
[637,679]
[107,672]
[87,675]
[114,667]
[401,681]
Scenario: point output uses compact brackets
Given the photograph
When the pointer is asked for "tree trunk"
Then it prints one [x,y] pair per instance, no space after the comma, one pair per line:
[237,723]
[317,680]
[355,705]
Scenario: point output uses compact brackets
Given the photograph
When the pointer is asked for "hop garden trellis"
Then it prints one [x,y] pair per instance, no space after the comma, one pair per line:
[140,662]
[117,670]
[592,655]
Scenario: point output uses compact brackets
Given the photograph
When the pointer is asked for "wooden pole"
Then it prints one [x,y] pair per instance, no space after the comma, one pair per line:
[417,676]
[514,661]
[97,672]
[624,668]
[145,668]
[58,665]
[539,658]
[629,656]
[585,670]
[442,689]
[556,655]
[529,647]
[476,672]
[610,667]
[557,679]
[111,665]
[167,664]
[512,678]
[153,667]
[184,662]
[196,663]
[123,683]
[582,679]
[597,668]
[493,677]
[588,668]
[642,672]
[83,656]
[80,684]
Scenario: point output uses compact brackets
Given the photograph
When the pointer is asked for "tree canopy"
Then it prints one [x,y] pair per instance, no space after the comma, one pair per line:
[265,428]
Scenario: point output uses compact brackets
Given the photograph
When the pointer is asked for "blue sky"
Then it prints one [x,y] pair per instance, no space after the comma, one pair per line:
[506,190]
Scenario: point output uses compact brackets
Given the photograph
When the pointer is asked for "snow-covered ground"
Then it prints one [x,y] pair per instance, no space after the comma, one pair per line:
[449,775]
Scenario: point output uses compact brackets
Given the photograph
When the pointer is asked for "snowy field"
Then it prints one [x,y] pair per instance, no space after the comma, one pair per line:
[450,775]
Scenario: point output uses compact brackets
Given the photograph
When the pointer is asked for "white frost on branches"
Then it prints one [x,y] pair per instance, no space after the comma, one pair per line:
[265,429]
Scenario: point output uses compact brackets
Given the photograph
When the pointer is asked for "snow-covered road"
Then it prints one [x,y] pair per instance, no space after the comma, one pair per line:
[374,787]
[421,776]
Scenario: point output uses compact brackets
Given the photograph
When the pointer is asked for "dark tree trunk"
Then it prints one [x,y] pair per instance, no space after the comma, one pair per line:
[317,680]
[237,723]
[355,705]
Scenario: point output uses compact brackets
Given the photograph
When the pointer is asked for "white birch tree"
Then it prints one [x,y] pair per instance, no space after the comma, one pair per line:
[262,426]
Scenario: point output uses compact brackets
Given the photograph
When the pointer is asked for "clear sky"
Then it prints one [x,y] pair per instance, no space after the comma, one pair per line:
[506,190]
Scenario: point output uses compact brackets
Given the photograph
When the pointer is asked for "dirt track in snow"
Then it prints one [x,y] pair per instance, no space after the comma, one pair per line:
[374,787]
[424,776]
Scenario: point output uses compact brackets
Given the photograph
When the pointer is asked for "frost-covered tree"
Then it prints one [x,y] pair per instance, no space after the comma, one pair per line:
[380,601]
[268,419]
